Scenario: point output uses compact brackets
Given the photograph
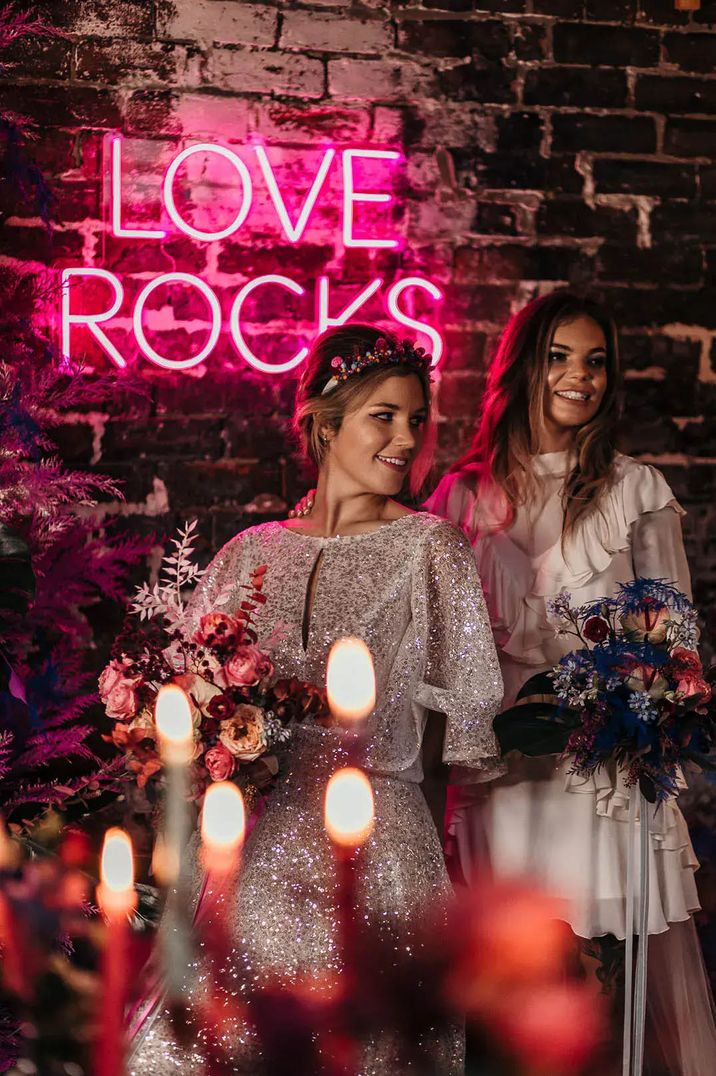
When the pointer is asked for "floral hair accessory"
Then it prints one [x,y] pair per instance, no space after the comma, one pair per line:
[402,353]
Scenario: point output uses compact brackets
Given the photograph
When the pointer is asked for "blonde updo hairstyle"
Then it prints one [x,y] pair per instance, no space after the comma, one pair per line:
[314,412]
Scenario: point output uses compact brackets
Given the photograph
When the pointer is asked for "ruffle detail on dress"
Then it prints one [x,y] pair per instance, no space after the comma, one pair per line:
[611,794]
[526,631]
[639,489]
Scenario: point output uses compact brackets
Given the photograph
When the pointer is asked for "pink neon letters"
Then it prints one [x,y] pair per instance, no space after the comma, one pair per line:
[293,222]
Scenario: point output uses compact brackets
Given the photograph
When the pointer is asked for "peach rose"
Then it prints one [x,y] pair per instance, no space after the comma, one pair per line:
[690,685]
[117,691]
[243,734]
[216,628]
[247,667]
[200,693]
[219,762]
[649,623]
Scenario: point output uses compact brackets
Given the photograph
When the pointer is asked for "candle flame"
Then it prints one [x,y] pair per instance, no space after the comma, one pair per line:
[223,818]
[349,809]
[172,714]
[117,867]
[350,680]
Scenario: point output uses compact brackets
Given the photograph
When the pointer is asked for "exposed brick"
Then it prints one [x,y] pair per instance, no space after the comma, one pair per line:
[691,138]
[44,57]
[521,171]
[481,302]
[106,18]
[570,216]
[148,111]
[77,201]
[660,264]
[334,33]
[565,9]
[493,218]
[147,256]
[477,82]
[644,177]
[460,394]
[36,244]
[513,262]
[610,10]
[575,86]
[660,93]
[626,134]
[255,261]
[675,222]
[519,131]
[98,61]
[611,45]
[489,39]
[377,80]
[62,106]
[530,41]
[676,357]
[227,22]
[692,52]
[284,74]
[464,351]
[662,13]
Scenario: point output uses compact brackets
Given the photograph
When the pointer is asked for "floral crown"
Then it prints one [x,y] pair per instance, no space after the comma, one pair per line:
[402,353]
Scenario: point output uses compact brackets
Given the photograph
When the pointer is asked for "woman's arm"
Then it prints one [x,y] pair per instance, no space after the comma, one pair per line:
[658,548]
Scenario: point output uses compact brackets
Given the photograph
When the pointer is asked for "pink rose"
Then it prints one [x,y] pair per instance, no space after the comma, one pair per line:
[200,693]
[247,667]
[117,691]
[649,623]
[216,628]
[690,685]
[243,734]
[219,762]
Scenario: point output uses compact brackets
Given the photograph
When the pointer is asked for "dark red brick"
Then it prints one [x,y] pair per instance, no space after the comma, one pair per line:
[35,244]
[470,82]
[570,216]
[659,264]
[44,57]
[62,106]
[610,10]
[662,13]
[97,61]
[495,218]
[519,131]
[151,112]
[460,394]
[615,46]
[530,41]
[675,222]
[692,52]
[489,39]
[644,177]
[690,138]
[575,86]
[601,134]
[515,262]
[258,260]
[662,93]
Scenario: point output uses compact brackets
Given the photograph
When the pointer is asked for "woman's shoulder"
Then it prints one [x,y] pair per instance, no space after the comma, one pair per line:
[639,486]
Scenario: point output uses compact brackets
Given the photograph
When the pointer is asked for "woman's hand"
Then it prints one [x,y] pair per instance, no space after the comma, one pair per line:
[304,506]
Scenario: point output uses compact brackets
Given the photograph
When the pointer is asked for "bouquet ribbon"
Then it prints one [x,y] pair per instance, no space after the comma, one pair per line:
[635,978]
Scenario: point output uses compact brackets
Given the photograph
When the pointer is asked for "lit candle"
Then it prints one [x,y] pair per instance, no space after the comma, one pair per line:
[176,744]
[175,729]
[223,824]
[349,815]
[117,900]
[350,681]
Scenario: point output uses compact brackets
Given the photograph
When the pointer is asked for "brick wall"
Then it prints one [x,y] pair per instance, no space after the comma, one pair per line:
[547,142]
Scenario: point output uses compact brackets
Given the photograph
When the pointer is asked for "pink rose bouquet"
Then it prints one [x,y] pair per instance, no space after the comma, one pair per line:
[240,712]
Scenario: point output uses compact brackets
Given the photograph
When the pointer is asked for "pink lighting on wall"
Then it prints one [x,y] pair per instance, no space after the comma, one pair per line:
[324,319]
[294,232]
[168,191]
[89,320]
[261,179]
[437,345]
[150,352]
[237,334]
[351,196]
[118,228]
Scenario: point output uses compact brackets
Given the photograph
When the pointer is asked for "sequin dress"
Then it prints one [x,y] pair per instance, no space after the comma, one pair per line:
[410,589]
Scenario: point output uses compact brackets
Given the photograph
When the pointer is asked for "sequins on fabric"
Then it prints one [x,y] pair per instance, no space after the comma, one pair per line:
[410,590]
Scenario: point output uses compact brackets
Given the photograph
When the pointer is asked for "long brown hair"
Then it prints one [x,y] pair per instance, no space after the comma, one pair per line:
[314,411]
[512,410]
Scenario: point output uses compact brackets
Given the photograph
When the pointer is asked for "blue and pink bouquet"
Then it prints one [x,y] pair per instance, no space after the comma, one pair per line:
[634,691]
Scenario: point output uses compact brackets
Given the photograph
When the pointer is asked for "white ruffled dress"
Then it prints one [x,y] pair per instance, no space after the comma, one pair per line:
[570,833]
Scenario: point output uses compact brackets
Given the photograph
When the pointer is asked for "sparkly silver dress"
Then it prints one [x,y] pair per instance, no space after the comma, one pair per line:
[410,590]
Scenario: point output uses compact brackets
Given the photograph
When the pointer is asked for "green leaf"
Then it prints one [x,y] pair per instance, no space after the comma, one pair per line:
[540,684]
[533,729]
[17,579]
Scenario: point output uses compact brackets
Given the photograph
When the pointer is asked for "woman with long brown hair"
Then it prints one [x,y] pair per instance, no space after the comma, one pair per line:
[548,503]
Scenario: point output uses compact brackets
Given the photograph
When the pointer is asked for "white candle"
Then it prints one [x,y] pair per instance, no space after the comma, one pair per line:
[350,681]
[223,825]
[349,809]
[117,900]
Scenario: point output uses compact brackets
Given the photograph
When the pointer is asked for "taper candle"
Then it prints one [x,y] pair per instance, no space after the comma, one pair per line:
[117,901]
[350,681]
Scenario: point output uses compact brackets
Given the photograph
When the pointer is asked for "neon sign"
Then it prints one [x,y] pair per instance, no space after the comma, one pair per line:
[255,186]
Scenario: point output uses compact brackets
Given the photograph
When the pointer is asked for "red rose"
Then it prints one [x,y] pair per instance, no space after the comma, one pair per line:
[217,629]
[219,762]
[689,686]
[685,661]
[596,629]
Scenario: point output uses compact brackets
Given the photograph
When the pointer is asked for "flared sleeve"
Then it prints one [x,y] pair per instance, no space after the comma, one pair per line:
[658,547]
[217,590]
[460,675]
